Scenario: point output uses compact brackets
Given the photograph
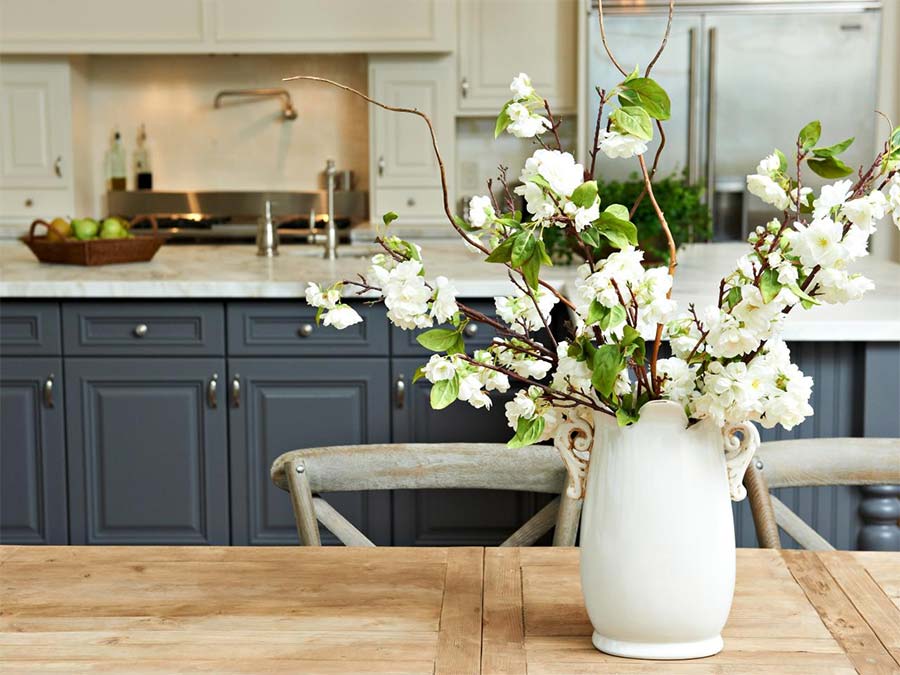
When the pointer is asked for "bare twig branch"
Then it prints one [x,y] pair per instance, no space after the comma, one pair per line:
[665,40]
[605,44]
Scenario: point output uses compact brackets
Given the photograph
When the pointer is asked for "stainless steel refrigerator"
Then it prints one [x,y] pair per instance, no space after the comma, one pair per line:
[744,77]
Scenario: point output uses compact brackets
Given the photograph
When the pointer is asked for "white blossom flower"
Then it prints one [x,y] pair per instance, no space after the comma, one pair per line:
[726,394]
[341,316]
[856,243]
[819,243]
[838,287]
[893,199]
[439,368]
[539,204]
[525,124]
[444,305]
[571,373]
[616,145]
[327,298]
[521,87]
[727,336]
[866,211]
[522,405]
[769,191]
[519,310]
[831,196]
[406,296]
[481,211]
[678,382]
[559,169]
[769,165]
[756,314]
[582,217]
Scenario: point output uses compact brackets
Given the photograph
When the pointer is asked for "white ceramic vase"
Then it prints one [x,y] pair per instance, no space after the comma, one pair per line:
[657,536]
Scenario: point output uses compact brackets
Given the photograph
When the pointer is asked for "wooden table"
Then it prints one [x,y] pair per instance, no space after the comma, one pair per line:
[459,610]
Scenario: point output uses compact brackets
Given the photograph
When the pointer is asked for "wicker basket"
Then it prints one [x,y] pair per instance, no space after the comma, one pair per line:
[95,251]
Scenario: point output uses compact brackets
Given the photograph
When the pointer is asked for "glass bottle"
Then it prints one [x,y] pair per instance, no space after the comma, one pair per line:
[115,164]
[143,175]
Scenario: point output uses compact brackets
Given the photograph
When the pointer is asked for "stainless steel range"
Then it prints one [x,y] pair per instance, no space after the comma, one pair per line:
[234,216]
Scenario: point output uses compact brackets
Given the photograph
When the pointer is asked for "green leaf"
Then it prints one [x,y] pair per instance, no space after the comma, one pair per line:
[509,222]
[532,271]
[585,194]
[528,432]
[809,135]
[782,161]
[438,339]
[463,225]
[319,313]
[444,393]
[769,286]
[613,318]
[542,253]
[634,73]
[633,120]
[590,236]
[389,217]
[829,167]
[803,295]
[503,252]
[619,211]
[540,181]
[625,417]
[648,95]
[523,249]
[607,363]
[833,150]
[734,296]
[419,374]
[503,120]
[619,232]
[596,312]
[633,344]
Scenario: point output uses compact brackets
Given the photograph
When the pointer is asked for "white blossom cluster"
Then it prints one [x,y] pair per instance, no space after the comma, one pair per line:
[617,145]
[524,311]
[328,301]
[772,186]
[525,123]
[622,281]
[549,178]
[474,381]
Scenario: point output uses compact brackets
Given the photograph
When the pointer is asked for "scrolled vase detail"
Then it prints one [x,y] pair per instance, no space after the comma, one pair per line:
[657,535]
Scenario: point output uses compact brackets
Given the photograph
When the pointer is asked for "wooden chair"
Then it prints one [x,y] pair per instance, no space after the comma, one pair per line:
[536,468]
[811,462]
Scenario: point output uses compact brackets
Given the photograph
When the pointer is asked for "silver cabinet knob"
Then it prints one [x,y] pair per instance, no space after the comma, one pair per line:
[236,391]
[140,330]
[464,87]
[381,165]
[212,395]
[400,392]
[48,391]
[57,167]
[410,202]
[29,202]
[305,330]
[471,329]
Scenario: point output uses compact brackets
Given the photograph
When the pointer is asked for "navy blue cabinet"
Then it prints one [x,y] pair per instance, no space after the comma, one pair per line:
[284,404]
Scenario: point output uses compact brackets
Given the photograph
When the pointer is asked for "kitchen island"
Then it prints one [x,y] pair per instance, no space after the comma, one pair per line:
[144,403]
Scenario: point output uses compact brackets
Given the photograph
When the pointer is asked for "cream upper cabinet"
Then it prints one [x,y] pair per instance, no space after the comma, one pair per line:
[334,25]
[226,26]
[101,26]
[500,38]
[404,170]
[35,139]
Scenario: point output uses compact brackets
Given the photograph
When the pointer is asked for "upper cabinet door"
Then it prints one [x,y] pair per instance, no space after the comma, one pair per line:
[500,38]
[335,26]
[35,124]
[402,154]
[100,26]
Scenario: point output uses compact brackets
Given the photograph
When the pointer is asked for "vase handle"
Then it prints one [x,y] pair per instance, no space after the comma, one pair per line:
[741,442]
[574,439]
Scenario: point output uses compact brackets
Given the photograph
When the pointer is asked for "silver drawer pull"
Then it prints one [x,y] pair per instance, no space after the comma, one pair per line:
[140,330]
[381,166]
[400,392]
[212,396]
[236,391]
[48,391]
[471,329]
[305,330]
[464,87]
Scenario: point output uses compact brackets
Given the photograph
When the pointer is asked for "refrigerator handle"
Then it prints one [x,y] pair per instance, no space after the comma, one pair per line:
[711,105]
[693,148]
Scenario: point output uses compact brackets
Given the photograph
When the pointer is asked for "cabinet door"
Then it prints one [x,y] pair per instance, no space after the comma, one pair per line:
[402,155]
[35,124]
[290,403]
[634,39]
[500,38]
[451,517]
[148,454]
[32,452]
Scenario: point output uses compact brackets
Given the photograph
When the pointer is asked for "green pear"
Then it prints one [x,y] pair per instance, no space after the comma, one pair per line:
[85,228]
[112,229]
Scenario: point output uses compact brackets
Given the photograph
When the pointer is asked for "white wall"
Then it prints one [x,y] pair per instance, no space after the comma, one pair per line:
[886,241]
[242,146]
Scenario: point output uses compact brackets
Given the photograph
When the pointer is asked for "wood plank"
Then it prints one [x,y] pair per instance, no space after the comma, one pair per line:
[503,631]
[871,602]
[839,615]
[459,641]
[701,667]
[250,667]
[7,552]
[884,568]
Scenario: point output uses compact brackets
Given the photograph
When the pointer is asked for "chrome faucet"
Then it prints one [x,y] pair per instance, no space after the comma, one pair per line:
[331,226]
[267,234]
[288,111]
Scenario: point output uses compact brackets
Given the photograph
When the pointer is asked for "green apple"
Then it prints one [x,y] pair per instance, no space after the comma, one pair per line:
[85,228]
[112,229]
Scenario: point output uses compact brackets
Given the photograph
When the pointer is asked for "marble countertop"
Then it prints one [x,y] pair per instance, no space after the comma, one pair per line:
[234,271]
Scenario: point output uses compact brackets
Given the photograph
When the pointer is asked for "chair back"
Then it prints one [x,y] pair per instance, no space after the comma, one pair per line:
[807,463]
[492,466]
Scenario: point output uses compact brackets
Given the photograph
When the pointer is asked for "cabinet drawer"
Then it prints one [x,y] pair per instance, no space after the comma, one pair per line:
[23,205]
[143,328]
[423,204]
[29,329]
[289,329]
[477,335]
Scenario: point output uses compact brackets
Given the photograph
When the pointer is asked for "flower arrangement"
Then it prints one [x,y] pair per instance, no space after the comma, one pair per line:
[728,361]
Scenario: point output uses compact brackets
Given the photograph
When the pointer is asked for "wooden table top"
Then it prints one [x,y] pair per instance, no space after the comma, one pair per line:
[425,610]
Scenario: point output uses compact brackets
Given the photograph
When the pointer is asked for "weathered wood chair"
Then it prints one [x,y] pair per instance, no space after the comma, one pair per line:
[812,462]
[536,468]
